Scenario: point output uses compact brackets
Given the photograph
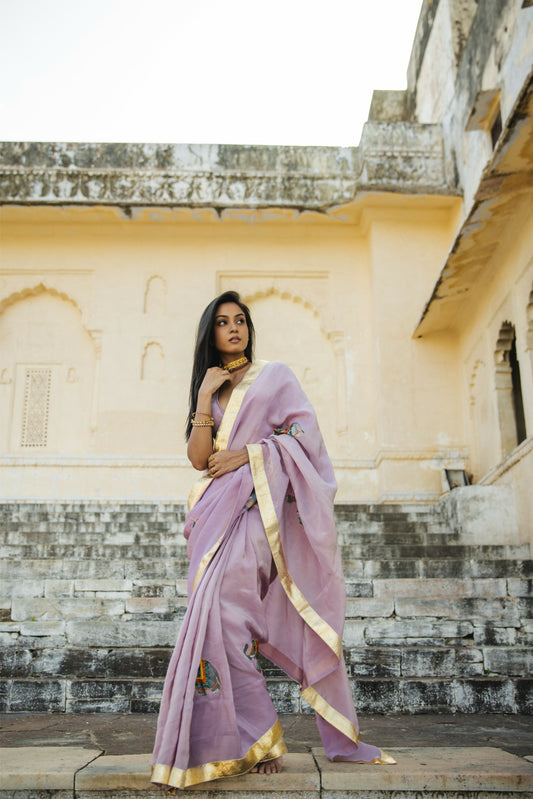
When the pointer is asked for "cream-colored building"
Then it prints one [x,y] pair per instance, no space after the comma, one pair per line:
[395,278]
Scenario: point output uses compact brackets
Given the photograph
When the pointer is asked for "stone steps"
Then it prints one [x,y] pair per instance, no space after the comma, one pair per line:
[92,596]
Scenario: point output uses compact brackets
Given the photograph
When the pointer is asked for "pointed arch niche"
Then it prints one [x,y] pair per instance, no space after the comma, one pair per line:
[155,296]
[509,390]
[43,343]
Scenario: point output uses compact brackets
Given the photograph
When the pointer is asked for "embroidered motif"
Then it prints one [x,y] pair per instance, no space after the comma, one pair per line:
[294,430]
[207,679]
[251,501]
[251,651]
[291,498]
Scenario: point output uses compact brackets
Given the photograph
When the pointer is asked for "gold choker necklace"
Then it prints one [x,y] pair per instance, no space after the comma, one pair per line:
[234,365]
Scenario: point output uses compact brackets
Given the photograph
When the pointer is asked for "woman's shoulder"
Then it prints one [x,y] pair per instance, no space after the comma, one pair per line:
[279,368]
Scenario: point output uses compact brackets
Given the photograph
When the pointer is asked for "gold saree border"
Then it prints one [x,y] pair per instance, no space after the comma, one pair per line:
[182,778]
[329,713]
[226,426]
[271,525]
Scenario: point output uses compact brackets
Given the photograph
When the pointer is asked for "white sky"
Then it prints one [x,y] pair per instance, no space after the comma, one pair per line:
[236,72]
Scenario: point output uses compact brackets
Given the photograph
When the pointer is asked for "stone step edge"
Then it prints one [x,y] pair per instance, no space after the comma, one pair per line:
[91,772]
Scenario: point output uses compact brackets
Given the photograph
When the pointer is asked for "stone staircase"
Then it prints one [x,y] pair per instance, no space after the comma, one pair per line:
[92,595]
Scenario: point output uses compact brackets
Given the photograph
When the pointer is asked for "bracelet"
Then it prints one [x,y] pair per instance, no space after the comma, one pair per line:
[200,413]
[206,423]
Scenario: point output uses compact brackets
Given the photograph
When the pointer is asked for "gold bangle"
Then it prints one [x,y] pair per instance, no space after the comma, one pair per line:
[202,424]
[201,413]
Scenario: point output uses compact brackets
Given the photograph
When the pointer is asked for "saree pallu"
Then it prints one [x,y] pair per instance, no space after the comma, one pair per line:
[265,576]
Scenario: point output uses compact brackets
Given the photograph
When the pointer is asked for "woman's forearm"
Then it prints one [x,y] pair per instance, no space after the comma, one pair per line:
[200,444]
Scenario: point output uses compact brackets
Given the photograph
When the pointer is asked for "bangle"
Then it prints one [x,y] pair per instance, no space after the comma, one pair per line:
[200,413]
[205,423]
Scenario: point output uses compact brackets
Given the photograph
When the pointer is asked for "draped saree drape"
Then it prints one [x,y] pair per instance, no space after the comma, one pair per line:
[265,575]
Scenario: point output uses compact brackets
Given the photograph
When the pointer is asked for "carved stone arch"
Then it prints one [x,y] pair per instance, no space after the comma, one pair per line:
[155,295]
[34,291]
[51,360]
[287,295]
[335,339]
[509,389]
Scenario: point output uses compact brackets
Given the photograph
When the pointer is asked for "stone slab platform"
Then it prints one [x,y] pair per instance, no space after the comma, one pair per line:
[449,772]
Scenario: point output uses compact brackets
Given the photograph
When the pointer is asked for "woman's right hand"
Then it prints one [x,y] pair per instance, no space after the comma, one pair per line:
[213,379]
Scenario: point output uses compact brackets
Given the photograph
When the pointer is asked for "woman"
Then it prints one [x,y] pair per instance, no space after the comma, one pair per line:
[265,572]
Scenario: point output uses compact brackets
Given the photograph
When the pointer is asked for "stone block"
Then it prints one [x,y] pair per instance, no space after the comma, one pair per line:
[102,584]
[108,633]
[353,569]
[430,772]
[359,588]
[436,587]
[43,771]
[488,634]
[147,689]
[524,696]
[485,696]
[161,588]
[116,704]
[482,514]
[40,642]
[505,610]
[285,695]
[377,696]
[423,696]
[15,662]
[129,775]
[354,633]
[509,661]
[55,588]
[144,706]
[65,608]
[37,696]
[373,661]
[367,608]
[469,662]
[520,586]
[422,632]
[28,588]
[9,627]
[164,605]
[392,568]
[98,689]
[421,662]
[42,628]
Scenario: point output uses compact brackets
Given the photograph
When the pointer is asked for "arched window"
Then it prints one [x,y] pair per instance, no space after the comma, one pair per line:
[509,390]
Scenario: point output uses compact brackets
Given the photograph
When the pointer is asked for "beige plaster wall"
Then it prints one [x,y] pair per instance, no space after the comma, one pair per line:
[109,305]
[503,297]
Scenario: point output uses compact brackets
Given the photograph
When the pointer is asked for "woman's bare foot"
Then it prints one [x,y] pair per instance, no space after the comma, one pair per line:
[268,767]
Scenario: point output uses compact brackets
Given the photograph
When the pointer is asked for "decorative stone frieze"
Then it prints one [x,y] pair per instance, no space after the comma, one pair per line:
[399,156]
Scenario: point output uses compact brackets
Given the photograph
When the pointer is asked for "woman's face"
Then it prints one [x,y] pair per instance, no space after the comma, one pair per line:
[231,331]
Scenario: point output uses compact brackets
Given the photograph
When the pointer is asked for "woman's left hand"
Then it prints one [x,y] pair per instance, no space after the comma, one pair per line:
[220,463]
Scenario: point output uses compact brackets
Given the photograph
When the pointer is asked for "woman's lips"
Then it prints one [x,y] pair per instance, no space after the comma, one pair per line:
[234,340]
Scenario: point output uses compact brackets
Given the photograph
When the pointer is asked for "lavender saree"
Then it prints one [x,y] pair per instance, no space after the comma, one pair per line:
[265,575]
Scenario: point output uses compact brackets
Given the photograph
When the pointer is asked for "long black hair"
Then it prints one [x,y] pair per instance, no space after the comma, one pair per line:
[205,352]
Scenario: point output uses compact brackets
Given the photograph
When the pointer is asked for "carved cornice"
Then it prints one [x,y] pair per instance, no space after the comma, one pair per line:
[392,156]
